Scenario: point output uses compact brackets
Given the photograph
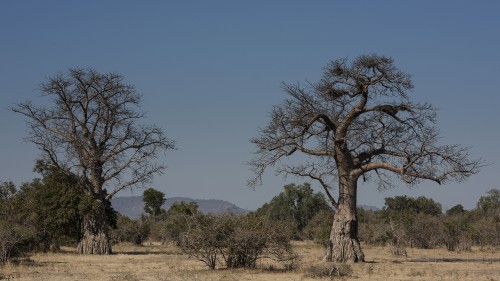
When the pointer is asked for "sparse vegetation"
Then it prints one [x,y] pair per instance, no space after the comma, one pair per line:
[357,121]
[165,262]
[330,270]
[419,223]
[235,241]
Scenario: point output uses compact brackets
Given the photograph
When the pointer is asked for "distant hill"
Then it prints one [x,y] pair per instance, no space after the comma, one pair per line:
[368,208]
[133,206]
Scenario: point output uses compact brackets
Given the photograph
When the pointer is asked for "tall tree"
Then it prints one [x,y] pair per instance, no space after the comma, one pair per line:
[91,128]
[357,122]
[153,200]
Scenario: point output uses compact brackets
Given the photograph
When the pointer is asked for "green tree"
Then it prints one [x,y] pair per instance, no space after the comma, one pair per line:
[16,233]
[153,200]
[58,204]
[357,122]
[92,128]
[55,206]
[456,210]
[174,222]
[297,204]
[487,221]
[491,202]
[183,208]
[413,205]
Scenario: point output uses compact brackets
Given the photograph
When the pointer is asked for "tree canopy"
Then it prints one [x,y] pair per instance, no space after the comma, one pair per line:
[153,200]
[297,203]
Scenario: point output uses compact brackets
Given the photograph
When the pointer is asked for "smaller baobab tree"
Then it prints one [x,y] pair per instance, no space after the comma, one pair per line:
[357,122]
[91,128]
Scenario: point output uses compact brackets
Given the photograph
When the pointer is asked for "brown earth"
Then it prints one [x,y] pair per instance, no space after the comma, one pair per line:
[167,263]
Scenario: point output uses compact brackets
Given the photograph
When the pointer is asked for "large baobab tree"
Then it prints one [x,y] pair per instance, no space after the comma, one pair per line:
[357,122]
[90,127]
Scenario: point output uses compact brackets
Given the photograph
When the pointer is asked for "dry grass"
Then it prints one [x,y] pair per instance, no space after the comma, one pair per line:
[167,263]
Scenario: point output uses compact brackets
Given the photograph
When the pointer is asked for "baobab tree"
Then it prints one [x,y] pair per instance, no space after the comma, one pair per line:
[357,122]
[91,128]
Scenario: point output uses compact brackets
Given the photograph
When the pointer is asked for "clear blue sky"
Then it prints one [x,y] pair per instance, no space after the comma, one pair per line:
[210,71]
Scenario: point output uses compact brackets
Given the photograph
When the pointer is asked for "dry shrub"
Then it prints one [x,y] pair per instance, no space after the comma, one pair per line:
[330,270]
[236,241]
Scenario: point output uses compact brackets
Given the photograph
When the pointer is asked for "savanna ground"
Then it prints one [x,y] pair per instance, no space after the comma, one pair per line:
[167,263]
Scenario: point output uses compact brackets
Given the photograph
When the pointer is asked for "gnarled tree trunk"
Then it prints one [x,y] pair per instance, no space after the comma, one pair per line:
[344,245]
[95,238]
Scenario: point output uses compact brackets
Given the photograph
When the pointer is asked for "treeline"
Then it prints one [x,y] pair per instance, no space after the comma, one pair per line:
[47,213]
[298,213]
[403,221]
[420,222]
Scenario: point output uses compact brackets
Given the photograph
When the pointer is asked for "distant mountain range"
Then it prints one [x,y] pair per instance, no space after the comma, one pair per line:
[368,208]
[133,206]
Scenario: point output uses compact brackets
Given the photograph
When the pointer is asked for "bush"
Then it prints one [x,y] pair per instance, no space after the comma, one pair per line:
[372,229]
[235,241]
[457,231]
[128,230]
[487,229]
[16,235]
[174,223]
[426,231]
[319,227]
[203,238]
[15,240]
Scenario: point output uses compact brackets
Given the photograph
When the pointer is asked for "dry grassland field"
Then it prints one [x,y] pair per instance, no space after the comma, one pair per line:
[166,262]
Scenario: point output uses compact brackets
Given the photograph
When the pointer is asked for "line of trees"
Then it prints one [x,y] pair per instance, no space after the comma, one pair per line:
[419,222]
[403,222]
[46,213]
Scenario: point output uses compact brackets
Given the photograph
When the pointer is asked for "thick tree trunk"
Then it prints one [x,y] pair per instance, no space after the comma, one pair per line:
[344,245]
[94,244]
[95,239]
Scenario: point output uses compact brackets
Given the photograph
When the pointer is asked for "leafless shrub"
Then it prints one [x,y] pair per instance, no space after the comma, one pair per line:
[235,241]
[398,238]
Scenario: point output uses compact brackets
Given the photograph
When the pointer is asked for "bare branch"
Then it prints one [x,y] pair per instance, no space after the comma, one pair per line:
[92,130]
[360,116]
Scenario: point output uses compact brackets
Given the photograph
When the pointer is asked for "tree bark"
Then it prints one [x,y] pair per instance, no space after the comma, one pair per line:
[95,239]
[344,245]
